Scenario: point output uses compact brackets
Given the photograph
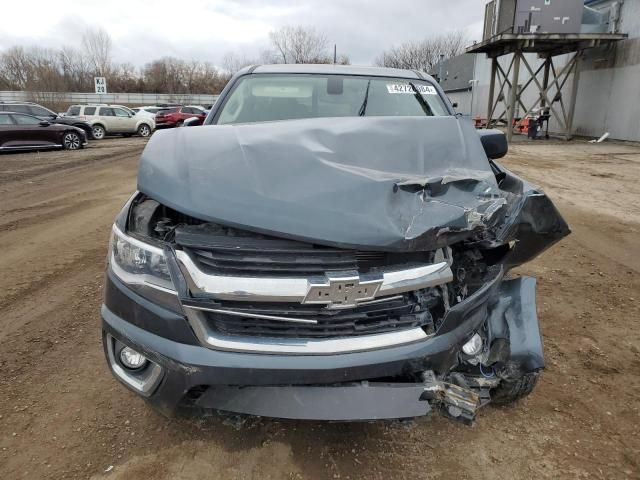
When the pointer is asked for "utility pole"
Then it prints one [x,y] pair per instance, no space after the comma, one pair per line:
[335,54]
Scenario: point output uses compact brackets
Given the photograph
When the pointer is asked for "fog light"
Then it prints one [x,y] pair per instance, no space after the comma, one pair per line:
[473,346]
[132,359]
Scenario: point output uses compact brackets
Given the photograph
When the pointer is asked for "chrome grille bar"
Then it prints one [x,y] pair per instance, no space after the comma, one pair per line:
[295,289]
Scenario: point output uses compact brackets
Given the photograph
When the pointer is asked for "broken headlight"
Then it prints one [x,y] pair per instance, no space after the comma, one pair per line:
[138,263]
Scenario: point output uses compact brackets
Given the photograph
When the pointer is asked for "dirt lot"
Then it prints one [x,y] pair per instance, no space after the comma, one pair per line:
[62,415]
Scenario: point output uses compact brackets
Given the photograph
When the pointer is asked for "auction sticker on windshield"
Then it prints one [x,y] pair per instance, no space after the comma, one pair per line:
[406,88]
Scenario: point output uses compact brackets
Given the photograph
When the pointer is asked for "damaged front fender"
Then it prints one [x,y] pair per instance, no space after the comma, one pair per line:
[514,333]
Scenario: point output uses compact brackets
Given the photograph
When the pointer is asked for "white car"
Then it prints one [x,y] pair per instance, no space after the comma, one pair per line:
[138,114]
[149,111]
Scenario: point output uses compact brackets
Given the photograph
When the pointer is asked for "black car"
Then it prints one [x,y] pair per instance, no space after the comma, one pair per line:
[44,113]
[333,243]
[19,131]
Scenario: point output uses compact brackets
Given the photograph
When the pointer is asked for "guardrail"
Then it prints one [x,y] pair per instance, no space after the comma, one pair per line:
[117,98]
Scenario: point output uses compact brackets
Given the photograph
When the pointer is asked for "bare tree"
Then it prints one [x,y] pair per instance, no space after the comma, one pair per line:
[232,62]
[97,45]
[44,71]
[299,45]
[14,68]
[75,69]
[343,60]
[423,55]
[176,76]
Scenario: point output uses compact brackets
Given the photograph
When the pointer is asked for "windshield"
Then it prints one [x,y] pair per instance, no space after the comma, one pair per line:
[263,98]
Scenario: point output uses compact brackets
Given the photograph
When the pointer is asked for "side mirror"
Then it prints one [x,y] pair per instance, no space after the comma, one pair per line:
[192,122]
[44,123]
[494,143]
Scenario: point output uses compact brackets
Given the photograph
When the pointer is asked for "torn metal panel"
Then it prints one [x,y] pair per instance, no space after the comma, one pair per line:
[532,222]
[378,183]
[514,320]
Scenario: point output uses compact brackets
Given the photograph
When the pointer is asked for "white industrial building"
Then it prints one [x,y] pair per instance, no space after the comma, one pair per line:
[608,90]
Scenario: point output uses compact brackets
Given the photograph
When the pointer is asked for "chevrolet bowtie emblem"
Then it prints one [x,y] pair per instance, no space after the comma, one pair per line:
[342,291]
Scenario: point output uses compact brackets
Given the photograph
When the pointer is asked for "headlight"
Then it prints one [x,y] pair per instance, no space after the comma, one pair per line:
[138,263]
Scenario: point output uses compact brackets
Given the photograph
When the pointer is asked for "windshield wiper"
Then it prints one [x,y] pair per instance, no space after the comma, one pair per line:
[363,107]
[423,103]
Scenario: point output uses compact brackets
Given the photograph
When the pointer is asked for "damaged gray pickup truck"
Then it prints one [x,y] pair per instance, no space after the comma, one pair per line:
[333,243]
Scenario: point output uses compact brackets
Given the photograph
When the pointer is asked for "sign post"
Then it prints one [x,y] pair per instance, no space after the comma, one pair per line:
[100,84]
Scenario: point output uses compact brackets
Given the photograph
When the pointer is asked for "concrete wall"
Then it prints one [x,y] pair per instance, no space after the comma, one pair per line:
[463,99]
[116,98]
[609,91]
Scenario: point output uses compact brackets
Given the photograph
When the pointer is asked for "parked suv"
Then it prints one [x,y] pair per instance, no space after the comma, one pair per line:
[175,116]
[109,120]
[334,243]
[45,114]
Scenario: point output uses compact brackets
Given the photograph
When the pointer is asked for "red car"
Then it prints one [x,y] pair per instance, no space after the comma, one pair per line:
[175,116]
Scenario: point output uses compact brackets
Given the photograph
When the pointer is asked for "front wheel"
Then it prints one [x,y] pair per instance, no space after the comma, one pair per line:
[144,130]
[98,132]
[179,123]
[71,141]
[508,391]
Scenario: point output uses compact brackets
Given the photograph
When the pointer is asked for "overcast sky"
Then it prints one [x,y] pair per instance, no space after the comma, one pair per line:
[205,30]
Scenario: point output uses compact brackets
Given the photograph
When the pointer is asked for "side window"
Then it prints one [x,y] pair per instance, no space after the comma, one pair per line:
[19,108]
[73,111]
[25,119]
[197,111]
[187,110]
[120,112]
[107,112]
[89,110]
[5,120]
[39,111]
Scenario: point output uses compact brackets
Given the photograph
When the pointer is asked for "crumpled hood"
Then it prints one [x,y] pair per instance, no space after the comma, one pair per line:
[391,183]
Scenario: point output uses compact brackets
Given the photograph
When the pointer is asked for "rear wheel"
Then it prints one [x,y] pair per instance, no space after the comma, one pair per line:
[98,132]
[179,123]
[144,130]
[511,390]
[71,141]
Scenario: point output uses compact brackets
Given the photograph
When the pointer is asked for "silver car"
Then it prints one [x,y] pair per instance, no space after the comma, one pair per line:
[108,120]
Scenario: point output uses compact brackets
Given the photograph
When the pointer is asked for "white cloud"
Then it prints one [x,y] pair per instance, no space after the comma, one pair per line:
[206,29]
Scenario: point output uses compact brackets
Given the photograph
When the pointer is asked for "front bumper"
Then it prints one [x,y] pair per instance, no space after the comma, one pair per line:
[349,386]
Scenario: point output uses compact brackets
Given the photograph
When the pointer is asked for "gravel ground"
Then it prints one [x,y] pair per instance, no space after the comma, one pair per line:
[62,415]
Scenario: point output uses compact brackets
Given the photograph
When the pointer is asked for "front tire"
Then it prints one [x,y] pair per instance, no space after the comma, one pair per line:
[509,391]
[179,123]
[98,132]
[71,141]
[144,130]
